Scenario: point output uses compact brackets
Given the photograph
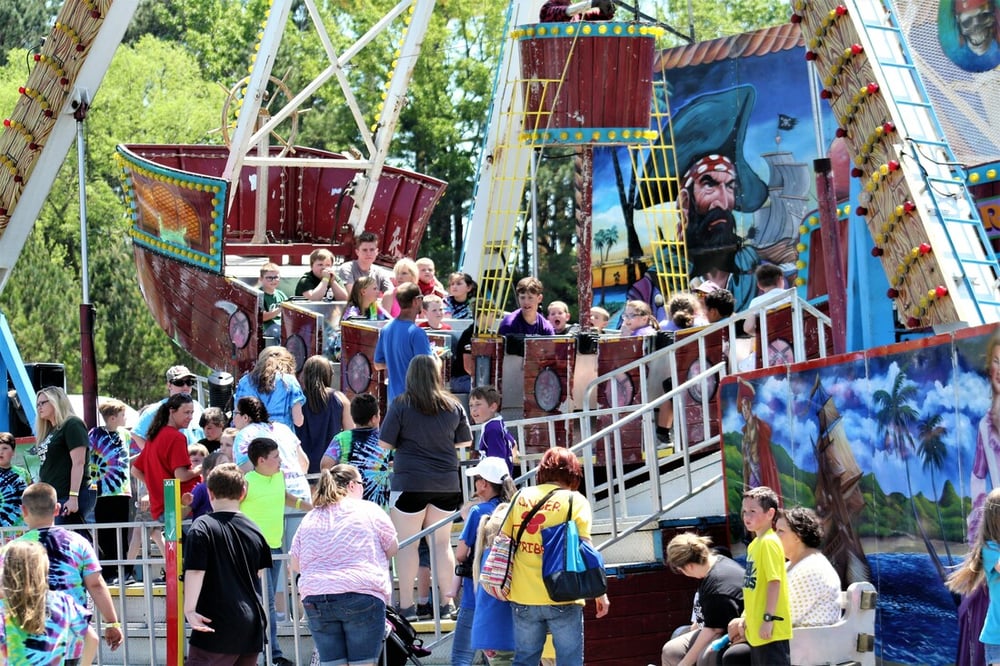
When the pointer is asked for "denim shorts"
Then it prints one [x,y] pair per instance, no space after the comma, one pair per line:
[346,627]
[992,653]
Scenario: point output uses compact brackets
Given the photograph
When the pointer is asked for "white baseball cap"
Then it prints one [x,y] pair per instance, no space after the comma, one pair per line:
[491,468]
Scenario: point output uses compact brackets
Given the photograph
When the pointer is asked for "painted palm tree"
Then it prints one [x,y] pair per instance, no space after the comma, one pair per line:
[933,452]
[604,240]
[896,417]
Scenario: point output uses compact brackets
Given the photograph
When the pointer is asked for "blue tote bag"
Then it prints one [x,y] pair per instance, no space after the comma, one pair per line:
[571,569]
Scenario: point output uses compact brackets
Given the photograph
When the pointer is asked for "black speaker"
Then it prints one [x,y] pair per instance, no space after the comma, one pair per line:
[220,390]
[46,374]
[41,375]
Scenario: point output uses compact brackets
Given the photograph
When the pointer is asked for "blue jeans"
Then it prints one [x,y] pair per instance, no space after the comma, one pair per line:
[273,576]
[992,653]
[462,653]
[85,509]
[346,628]
[563,621]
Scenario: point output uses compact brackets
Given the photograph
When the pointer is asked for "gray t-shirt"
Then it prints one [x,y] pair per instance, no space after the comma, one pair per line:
[350,271]
[425,455]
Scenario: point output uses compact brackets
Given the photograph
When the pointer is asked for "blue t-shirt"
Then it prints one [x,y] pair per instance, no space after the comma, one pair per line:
[279,402]
[476,514]
[493,622]
[991,627]
[192,433]
[398,343]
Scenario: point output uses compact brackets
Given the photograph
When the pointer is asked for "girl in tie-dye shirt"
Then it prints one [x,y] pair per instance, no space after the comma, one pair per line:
[39,626]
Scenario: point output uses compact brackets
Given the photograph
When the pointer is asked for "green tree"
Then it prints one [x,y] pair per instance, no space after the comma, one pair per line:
[177,106]
[896,417]
[933,452]
[709,21]
[604,240]
[25,23]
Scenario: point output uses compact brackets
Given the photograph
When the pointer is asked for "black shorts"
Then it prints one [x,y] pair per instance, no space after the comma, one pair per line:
[411,502]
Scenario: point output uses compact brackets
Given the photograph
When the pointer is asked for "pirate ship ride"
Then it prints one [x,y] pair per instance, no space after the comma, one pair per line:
[196,208]
[199,211]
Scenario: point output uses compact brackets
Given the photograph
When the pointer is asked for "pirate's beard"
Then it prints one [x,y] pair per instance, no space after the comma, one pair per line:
[712,241]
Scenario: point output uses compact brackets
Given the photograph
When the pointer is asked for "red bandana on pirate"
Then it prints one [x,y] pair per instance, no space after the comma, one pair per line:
[706,164]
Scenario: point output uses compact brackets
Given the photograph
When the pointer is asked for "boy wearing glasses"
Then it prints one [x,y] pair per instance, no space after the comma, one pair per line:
[526,320]
[273,298]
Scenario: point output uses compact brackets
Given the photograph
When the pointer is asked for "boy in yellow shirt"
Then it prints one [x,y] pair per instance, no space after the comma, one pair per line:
[264,503]
[766,623]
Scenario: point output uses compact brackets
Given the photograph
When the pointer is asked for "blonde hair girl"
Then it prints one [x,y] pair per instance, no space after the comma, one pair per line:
[982,566]
[41,624]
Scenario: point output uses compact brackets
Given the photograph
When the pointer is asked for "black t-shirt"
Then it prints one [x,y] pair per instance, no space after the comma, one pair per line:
[307,282]
[721,594]
[58,465]
[461,341]
[230,549]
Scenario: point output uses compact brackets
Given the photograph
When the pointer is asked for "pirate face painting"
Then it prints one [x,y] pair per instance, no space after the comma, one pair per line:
[969,32]
[976,27]
[708,199]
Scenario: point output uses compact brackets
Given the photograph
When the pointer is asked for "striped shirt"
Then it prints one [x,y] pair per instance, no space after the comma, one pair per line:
[342,548]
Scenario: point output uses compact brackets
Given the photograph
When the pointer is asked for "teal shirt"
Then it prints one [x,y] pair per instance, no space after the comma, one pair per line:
[273,302]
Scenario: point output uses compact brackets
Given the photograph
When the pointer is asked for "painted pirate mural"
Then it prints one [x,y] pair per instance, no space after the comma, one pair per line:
[715,182]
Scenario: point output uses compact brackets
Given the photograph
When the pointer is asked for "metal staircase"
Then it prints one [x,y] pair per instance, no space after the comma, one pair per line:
[927,233]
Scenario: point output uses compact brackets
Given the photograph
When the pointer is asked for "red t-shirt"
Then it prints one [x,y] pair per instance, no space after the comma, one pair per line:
[157,462]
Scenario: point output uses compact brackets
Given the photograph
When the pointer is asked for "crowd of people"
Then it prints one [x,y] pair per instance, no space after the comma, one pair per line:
[243,476]
[744,614]
[377,480]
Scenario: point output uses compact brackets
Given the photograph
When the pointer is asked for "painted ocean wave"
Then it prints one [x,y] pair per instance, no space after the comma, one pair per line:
[917,618]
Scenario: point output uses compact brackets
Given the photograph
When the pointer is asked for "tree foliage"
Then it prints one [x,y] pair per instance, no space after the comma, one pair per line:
[24,23]
[42,297]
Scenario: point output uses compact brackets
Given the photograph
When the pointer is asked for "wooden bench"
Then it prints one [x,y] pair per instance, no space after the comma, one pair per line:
[849,642]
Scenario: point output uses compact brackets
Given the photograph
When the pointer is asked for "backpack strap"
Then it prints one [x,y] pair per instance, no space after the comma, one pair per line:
[531,514]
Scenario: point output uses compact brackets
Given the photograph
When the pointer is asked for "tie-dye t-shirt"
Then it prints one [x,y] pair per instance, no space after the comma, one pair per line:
[359,447]
[65,628]
[109,462]
[13,481]
[71,559]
